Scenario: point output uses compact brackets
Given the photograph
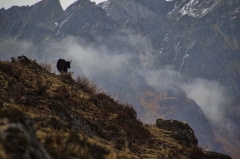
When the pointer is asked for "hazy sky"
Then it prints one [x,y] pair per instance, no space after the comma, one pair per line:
[8,3]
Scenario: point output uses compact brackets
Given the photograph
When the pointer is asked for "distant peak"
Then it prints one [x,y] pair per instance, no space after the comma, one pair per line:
[79,3]
[55,3]
[193,8]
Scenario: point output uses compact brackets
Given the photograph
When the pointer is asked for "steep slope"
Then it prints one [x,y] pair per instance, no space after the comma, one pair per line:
[71,120]
[32,23]
[169,35]
[179,107]
[197,38]
[46,12]
[193,8]
[85,20]
[199,46]
[125,12]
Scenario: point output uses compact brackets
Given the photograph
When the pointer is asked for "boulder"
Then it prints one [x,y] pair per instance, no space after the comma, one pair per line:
[18,136]
[182,132]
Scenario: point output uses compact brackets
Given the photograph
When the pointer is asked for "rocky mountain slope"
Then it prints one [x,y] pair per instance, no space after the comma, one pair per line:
[44,115]
[198,38]
[32,23]
[181,40]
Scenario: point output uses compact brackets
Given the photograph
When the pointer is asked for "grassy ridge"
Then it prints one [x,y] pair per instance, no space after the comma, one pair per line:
[72,118]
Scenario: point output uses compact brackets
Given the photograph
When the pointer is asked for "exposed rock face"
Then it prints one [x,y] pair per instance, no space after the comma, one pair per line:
[199,38]
[193,8]
[45,12]
[75,121]
[32,23]
[18,138]
[85,20]
[188,110]
[182,131]
[125,12]
[190,44]
[176,105]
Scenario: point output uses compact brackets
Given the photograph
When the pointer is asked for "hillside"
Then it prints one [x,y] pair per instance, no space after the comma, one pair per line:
[44,115]
[175,59]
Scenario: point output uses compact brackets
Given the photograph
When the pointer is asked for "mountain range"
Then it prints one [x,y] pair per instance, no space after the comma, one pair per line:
[169,59]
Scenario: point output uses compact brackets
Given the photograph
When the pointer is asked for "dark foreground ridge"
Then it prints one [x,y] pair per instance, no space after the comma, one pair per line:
[43,116]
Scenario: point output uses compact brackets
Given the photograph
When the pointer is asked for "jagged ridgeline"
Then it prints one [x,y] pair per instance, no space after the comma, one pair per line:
[43,115]
[171,59]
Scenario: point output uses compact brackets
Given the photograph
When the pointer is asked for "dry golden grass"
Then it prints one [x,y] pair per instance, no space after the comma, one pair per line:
[46,66]
[74,119]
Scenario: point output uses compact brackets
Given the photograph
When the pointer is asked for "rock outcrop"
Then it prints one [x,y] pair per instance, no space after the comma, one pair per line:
[18,136]
[85,20]
[33,23]
[182,132]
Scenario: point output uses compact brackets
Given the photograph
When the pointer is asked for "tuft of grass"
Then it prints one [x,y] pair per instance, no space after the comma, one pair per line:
[62,93]
[13,114]
[6,68]
[87,85]
[67,78]
[73,146]
[46,66]
[1,103]
[16,141]
[173,154]
[120,144]
[43,87]
[129,109]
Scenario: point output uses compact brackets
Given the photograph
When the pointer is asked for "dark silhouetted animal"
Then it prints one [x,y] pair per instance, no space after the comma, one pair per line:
[13,59]
[63,65]
[20,58]
[23,59]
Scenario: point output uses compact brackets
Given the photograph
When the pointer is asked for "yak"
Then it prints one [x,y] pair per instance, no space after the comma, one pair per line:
[63,65]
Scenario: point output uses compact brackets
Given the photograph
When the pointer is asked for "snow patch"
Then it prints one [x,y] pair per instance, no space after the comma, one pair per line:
[193,8]
[105,5]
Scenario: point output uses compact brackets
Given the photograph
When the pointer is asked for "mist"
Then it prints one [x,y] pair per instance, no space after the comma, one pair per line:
[212,97]
[10,48]
[159,79]
[120,73]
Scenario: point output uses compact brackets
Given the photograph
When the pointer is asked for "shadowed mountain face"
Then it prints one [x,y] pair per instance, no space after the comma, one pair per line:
[32,23]
[85,20]
[175,59]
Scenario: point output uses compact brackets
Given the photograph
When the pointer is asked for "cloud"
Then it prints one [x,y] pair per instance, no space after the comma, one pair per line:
[10,47]
[91,61]
[210,96]
[159,79]
[119,72]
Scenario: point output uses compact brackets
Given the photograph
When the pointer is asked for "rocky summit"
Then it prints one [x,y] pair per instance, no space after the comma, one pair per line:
[44,115]
[169,59]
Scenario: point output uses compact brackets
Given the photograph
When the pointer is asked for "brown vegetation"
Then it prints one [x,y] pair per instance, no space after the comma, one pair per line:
[87,85]
[196,153]
[74,119]
[46,66]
